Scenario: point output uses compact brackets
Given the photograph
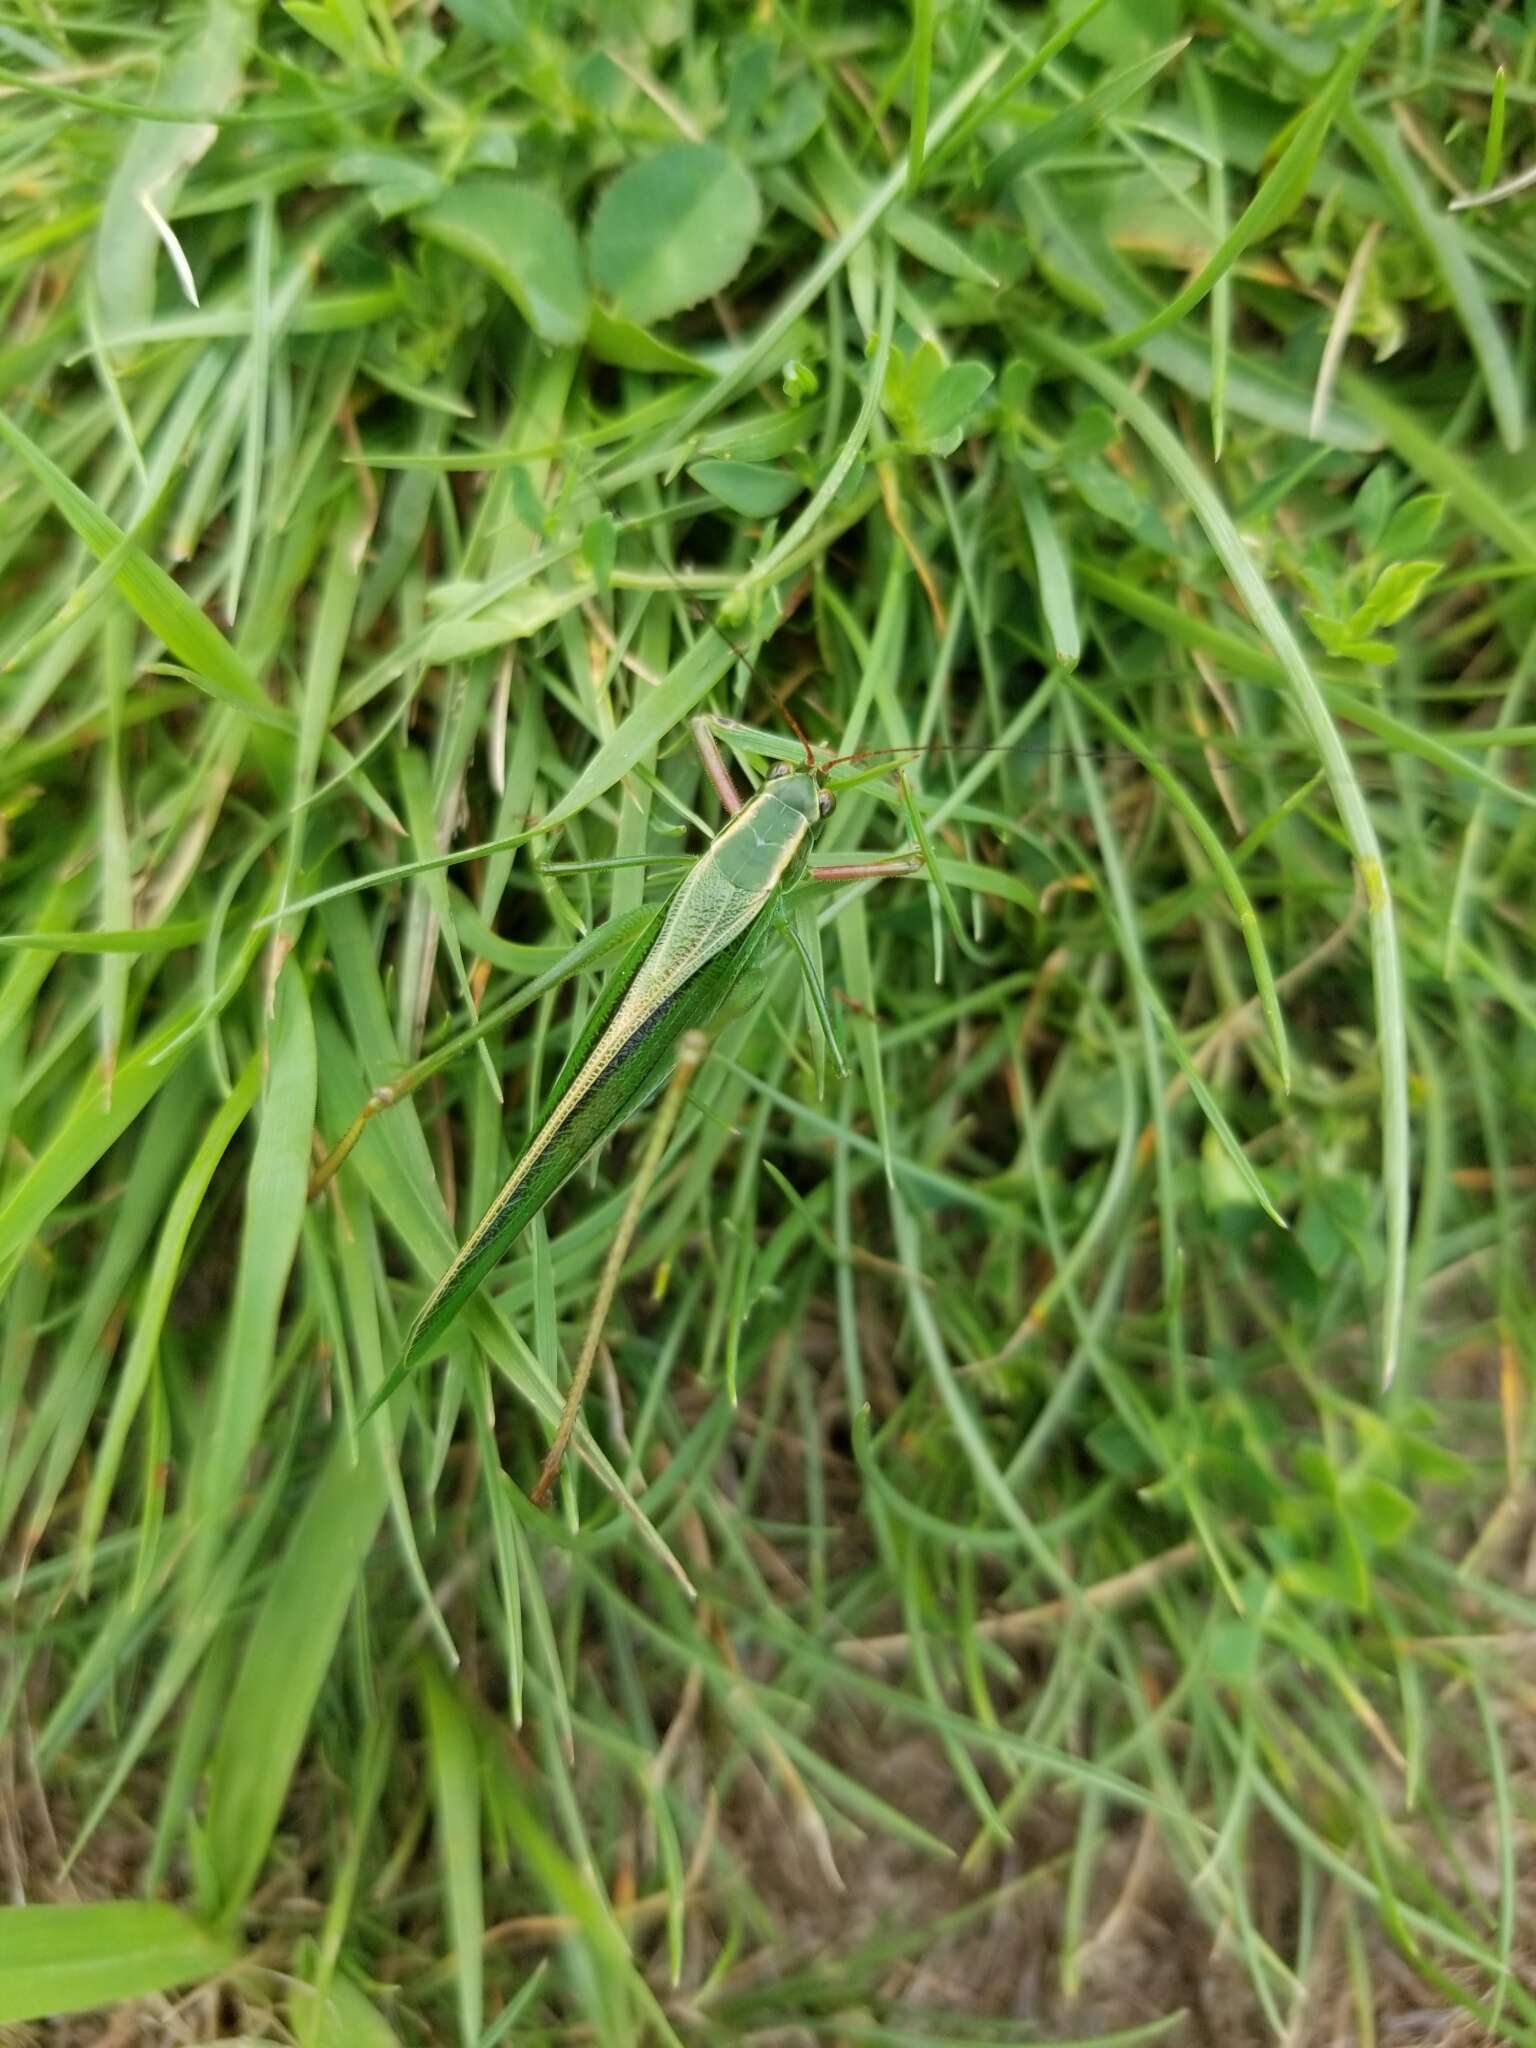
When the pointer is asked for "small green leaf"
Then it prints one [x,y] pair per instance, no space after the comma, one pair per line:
[944,412]
[800,381]
[796,116]
[527,505]
[339,2018]
[1382,1511]
[1394,594]
[1093,429]
[1412,525]
[1433,1463]
[1342,640]
[929,401]
[340,26]
[629,347]
[749,83]
[1321,1585]
[395,183]
[1318,1239]
[907,384]
[1104,490]
[1122,1454]
[521,239]
[1314,1469]
[670,231]
[754,489]
[1373,505]
[62,1959]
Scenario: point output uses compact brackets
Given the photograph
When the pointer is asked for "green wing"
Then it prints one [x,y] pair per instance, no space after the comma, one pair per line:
[566,1135]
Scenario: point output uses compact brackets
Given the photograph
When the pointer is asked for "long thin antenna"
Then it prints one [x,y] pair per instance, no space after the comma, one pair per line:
[699,611]
[767,688]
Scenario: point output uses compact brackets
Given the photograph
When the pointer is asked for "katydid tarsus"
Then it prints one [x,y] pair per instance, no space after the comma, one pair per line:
[684,966]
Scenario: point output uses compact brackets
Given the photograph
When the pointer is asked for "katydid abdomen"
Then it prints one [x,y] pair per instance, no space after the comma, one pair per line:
[675,979]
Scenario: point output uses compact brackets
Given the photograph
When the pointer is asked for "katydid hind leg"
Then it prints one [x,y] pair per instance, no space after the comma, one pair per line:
[897,868]
[807,952]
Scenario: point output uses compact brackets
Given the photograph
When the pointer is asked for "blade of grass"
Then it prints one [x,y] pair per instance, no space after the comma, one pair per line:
[455,1763]
[63,1959]
[162,605]
[287,1653]
[1342,780]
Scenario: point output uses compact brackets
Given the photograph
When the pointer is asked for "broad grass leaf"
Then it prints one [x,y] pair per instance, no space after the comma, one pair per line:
[287,1654]
[671,230]
[275,1193]
[1073,255]
[599,550]
[519,237]
[157,156]
[63,1959]
[1449,247]
[179,1214]
[456,1807]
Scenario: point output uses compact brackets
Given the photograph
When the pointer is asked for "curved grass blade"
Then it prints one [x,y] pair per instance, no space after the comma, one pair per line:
[160,602]
[1307,694]
[1220,859]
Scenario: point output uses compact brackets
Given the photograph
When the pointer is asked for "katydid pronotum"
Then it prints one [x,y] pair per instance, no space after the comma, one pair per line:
[684,970]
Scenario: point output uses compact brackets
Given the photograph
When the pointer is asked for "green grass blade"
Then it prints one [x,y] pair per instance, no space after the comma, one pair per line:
[162,605]
[1342,780]
[287,1652]
[1271,206]
[56,1960]
[275,1194]
[455,1763]
[1445,241]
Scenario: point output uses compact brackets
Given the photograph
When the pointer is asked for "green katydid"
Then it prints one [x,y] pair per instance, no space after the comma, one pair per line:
[681,971]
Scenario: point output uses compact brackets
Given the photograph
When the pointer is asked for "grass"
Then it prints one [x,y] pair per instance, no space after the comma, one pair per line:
[1095,1432]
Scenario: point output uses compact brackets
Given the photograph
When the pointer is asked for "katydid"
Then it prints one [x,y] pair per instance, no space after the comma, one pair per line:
[680,973]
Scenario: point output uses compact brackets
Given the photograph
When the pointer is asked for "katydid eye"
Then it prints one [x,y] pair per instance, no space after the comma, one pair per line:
[779,770]
[826,803]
